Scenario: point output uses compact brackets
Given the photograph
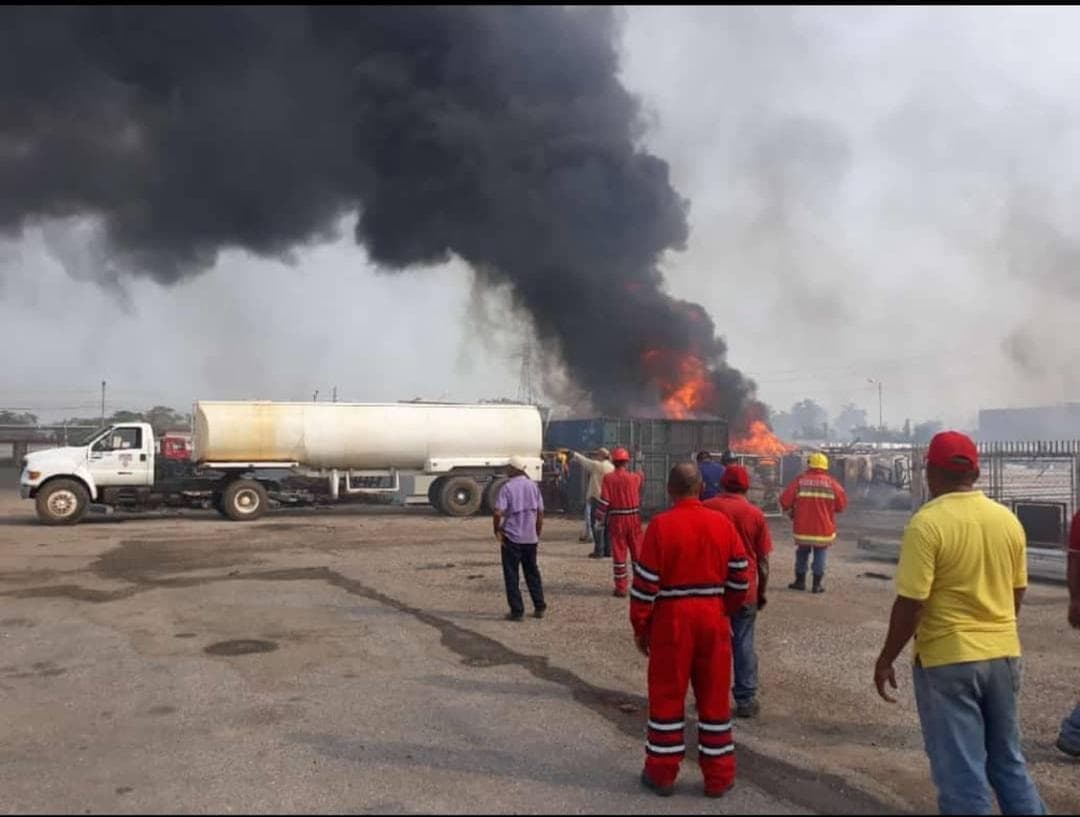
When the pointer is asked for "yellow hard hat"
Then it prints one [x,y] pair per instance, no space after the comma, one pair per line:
[818,460]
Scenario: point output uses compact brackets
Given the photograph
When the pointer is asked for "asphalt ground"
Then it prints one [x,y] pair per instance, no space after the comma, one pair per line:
[356,660]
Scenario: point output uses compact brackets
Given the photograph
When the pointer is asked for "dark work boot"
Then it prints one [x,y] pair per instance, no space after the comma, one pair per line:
[747,709]
[818,586]
[799,583]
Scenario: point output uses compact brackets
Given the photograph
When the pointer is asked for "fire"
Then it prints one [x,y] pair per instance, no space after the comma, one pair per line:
[682,380]
[760,439]
[686,389]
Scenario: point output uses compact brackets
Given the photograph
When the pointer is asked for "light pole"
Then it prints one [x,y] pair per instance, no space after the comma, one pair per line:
[880,413]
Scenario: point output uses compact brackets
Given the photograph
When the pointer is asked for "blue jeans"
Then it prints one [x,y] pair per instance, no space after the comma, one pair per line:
[802,556]
[742,650]
[597,533]
[1070,730]
[971,731]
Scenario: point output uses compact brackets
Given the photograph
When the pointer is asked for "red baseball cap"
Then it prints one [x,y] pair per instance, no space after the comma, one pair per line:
[952,451]
[735,477]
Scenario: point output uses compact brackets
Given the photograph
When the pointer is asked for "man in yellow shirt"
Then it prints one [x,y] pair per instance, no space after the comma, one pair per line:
[959,583]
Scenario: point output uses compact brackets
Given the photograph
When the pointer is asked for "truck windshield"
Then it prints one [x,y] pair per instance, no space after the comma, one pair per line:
[86,439]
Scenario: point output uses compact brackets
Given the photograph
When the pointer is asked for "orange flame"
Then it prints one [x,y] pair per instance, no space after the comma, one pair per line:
[760,439]
[682,380]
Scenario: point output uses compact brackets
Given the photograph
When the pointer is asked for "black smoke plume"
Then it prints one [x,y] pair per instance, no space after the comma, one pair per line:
[501,134]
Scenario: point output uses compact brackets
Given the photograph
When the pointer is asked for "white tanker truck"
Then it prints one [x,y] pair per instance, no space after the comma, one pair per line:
[246,454]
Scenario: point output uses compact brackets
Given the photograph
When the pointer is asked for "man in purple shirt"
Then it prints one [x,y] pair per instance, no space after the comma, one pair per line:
[518,520]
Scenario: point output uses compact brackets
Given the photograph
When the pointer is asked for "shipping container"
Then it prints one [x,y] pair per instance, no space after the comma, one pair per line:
[683,437]
[655,445]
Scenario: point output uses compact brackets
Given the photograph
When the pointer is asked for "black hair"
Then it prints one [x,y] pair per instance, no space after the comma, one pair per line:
[684,480]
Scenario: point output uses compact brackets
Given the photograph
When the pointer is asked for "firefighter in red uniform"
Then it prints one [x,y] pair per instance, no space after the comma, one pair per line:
[813,499]
[619,510]
[691,575]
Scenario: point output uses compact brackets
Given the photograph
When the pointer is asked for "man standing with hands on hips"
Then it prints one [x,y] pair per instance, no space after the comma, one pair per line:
[518,519]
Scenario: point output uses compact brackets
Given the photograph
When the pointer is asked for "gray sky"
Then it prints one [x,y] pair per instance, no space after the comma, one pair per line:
[875,193]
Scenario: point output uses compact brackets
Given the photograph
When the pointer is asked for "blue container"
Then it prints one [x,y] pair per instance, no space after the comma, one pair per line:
[677,437]
[655,446]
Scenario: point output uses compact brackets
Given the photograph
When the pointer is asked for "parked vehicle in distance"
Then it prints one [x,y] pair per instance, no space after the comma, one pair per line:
[246,454]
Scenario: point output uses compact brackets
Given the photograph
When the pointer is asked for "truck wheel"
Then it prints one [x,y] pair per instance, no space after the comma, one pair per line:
[216,503]
[460,496]
[491,493]
[244,500]
[434,491]
[62,502]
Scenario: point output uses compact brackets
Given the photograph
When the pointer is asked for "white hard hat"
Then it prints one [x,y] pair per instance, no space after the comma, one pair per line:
[518,463]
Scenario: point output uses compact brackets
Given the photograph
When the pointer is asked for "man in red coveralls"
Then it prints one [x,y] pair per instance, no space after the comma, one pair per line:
[753,527]
[813,499]
[690,576]
[620,510]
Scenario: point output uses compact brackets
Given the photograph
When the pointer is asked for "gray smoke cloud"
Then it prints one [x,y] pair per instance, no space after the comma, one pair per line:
[501,135]
[877,192]
[880,193]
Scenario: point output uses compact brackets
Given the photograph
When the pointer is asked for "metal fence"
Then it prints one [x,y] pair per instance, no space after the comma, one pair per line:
[1037,480]
[654,444]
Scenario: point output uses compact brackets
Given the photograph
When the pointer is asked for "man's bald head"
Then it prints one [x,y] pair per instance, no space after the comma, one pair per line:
[684,481]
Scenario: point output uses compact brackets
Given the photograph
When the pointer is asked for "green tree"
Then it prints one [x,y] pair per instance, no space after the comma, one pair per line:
[850,418]
[163,418]
[809,419]
[20,418]
[127,417]
[783,424]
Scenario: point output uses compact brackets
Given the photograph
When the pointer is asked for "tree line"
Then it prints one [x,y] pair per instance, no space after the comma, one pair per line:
[160,418]
[807,420]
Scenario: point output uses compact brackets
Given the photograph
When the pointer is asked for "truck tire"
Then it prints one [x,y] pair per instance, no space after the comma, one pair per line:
[62,502]
[434,491]
[244,500]
[460,496]
[216,503]
[491,493]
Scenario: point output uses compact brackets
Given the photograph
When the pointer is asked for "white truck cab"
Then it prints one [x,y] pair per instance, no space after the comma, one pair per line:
[64,481]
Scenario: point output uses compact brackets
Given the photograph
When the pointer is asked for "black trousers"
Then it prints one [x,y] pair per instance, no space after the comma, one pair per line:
[514,555]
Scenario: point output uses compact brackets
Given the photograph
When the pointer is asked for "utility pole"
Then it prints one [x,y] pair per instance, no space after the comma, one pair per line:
[880,414]
[880,411]
[103,402]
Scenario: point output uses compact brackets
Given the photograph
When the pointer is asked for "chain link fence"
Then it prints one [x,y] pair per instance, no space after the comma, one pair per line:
[1036,480]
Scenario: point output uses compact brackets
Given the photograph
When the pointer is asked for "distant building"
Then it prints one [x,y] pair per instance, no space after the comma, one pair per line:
[1060,422]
